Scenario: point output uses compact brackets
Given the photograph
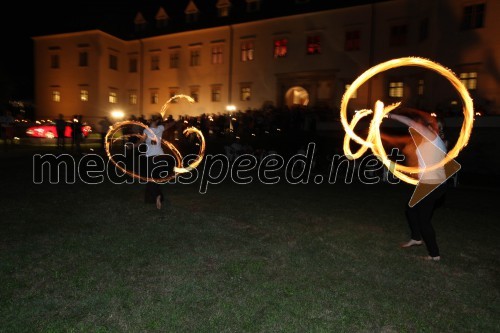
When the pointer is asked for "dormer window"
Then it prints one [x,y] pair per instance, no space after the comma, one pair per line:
[140,22]
[253,6]
[191,12]
[161,18]
[223,7]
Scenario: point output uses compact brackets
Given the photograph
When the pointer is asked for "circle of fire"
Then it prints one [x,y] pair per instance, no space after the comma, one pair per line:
[179,168]
[373,140]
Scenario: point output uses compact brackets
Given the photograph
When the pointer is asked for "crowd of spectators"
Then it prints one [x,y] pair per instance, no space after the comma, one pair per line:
[280,130]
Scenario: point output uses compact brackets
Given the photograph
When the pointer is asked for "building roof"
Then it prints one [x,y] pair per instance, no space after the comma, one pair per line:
[121,20]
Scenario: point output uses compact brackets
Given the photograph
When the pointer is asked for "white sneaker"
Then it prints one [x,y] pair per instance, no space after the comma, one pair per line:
[158,202]
[412,242]
[432,258]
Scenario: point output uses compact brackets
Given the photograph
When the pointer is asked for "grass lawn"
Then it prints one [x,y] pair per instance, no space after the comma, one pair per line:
[241,258]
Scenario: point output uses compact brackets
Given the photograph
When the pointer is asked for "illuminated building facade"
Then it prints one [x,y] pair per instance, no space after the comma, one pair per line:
[293,60]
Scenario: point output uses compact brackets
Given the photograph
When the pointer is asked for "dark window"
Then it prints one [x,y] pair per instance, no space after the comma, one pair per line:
[161,23]
[473,16]
[174,60]
[113,62]
[192,17]
[83,59]
[223,11]
[253,6]
[54,61]
[352,40]
[398,35]
[423,32]
[195,58]
[155,62]
[216,93]
[132,65]
[195,94]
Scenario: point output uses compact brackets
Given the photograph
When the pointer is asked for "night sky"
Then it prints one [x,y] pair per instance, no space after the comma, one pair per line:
[25,20]
[38,19]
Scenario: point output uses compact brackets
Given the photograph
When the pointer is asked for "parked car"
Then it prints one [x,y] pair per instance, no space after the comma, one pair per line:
[48,130]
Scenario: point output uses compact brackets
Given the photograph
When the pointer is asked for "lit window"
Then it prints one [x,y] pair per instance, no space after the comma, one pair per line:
[354,94]
[174,60]
[54,61]
[154,97]
[245,92]
[84,95]
[83,59]
[56,96]
[280,48]
[155,62]
[113,97]
[398,35]
[195,93]
[195,58]
[217,55]
[420,87]
[313,45]
[132,98]
[113,62]
[469,80]
[247,51]
[352,40]
[216,93]
[473,16]
[396,89]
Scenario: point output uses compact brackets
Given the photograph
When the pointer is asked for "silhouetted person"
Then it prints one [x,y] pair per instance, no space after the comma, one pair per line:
[104,124]
[77,133]
[7,124]
[61,131]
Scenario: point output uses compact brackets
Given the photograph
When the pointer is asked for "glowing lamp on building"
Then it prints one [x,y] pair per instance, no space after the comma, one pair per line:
[117,114]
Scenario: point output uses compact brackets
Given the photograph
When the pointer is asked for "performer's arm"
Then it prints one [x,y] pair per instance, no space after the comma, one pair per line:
[414,124]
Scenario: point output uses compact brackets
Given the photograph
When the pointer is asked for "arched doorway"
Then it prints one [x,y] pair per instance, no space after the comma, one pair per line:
[296,96]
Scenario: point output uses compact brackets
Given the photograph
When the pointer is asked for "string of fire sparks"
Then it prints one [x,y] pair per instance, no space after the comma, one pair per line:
[110,139]
[373,140]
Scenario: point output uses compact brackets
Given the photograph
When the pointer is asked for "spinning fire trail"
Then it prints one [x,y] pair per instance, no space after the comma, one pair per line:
[373,140]
[179,168]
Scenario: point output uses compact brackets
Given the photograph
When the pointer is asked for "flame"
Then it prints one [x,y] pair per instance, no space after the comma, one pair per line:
[373,140]
[179,168]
